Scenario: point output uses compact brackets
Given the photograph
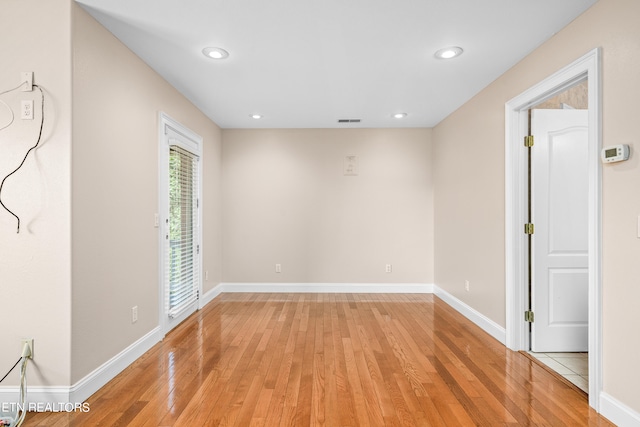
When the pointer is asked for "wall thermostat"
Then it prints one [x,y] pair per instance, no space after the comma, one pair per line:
[615,153]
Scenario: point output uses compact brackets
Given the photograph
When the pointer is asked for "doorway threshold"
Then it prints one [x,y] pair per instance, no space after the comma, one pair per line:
[571,368]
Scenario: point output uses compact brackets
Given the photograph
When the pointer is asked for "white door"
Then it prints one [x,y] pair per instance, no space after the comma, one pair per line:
[181,226]
[560,242]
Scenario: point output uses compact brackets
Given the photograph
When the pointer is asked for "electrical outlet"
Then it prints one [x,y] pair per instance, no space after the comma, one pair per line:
[466,285]
[27,348]
[134,314]
[278,268]
[388,268]
[26,109]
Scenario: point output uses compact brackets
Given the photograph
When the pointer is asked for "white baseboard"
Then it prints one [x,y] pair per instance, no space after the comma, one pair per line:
[210,295]
[612,409]
[348,288]
[38,394]
[84,388]
[617,412]
[486,324]
[79,392]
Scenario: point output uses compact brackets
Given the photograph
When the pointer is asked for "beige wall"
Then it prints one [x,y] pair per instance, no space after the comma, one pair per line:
[35,276]
[285,197]
[469,182]
[287,201]
[116,100]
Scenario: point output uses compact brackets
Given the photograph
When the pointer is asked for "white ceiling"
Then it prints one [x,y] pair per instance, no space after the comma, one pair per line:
[308,63]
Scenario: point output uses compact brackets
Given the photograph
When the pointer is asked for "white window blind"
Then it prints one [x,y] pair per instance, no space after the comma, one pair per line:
[182,263]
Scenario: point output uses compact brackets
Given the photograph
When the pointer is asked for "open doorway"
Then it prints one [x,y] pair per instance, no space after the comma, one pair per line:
[585,69]
[557,245]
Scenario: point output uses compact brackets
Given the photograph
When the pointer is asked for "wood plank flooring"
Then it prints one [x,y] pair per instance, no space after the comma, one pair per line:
[330,360]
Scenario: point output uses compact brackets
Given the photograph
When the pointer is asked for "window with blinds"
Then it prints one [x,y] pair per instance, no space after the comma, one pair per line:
[182,267]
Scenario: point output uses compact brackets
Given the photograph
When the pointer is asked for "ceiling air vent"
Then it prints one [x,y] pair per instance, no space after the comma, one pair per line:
[349,120]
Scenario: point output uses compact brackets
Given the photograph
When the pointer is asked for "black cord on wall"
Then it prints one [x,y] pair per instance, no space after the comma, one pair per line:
[10,370]
[24,159]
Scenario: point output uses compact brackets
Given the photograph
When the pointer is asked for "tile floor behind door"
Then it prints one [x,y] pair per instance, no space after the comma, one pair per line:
[572,366]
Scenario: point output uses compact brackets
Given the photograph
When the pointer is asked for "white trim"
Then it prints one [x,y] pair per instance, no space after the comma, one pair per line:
[515,246]
[194,143]
[210,295]
[617,412]
[346,288]
[479,319]
[83,389]
[515,181]
[44,394]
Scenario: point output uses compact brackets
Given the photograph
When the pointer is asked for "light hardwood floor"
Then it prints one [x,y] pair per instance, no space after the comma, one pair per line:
[331,360]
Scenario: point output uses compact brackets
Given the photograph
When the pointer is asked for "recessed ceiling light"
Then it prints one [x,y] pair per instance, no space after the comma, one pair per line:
[399,115]
[448,52]
[215,53]
[256,116]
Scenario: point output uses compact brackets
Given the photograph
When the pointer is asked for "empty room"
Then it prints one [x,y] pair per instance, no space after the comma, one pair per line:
[331,213]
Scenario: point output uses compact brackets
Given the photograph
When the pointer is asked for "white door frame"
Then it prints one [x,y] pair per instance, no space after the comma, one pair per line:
[194,145]
[516,127]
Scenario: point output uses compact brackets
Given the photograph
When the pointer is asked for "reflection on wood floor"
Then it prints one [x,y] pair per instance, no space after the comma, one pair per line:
[332,360]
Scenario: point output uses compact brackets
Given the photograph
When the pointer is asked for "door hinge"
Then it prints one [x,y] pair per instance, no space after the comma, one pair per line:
[528,228]
[528,141]
[528,316]
[197,249]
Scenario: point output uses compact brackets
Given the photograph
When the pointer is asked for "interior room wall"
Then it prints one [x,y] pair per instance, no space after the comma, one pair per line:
[576,97]
[116,101]
[469,182]
[286,200]
[35,265]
